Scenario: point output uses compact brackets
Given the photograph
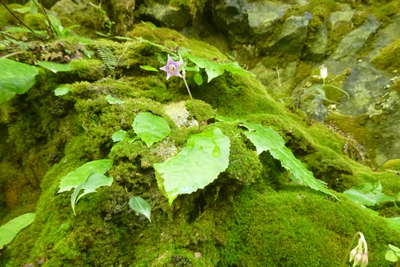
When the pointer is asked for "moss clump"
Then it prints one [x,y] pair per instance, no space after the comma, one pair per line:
[388,58]
[298,228]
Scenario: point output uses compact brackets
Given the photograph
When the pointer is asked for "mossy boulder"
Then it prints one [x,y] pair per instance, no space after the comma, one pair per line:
[252,215]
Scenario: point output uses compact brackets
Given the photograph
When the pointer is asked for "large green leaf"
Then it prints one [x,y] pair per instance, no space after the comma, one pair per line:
[150,128]
[93,182]
[9,230]
[15,78]
[215,69]
[79,175]
[199,163]
[368,194]
[267,139]
[141,206]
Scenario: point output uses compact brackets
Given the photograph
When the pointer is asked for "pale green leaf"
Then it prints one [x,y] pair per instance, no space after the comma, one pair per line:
[267,139]
[54,67]
[79,175]
[9,230]
[368,194]
[15,78]
[150,128]
[199,163]
[391,256]
[198,79]
[113,100]
[213,69]
[148,68]
[141,206]
[92,182]
[394,248]
[62,90]
[118,136]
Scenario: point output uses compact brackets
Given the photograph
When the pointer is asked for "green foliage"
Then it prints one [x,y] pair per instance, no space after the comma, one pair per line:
[368,194]
[92,182]
[141,206]
[62,90]
[148,68]
[118,136]
[9,230]
[215,69]
[113,100]
[150,128]
[267,139]
[392,254]
[80,175]
[198,79]
[199,163]
[108,58]
[54,67]
[15,78]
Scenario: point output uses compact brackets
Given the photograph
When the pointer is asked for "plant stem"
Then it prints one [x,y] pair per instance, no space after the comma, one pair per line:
[187,86]
[52,32]
[16,17]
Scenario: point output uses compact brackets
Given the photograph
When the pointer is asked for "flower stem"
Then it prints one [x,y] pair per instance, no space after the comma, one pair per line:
[187,86]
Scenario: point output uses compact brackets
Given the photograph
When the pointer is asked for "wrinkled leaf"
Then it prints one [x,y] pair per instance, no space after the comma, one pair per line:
[150,128]
[9,230]
[141,206]
[267,139]
[79,175]
[62,90]
[148,68]
[15,78]
[93,182]
[118,136]
[54,67]
[368,194]
[199,163]
[113,100]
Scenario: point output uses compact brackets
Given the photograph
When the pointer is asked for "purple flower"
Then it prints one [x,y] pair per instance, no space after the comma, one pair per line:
[173,68]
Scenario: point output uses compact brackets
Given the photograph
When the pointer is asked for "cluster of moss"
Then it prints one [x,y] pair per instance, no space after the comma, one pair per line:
[249,216]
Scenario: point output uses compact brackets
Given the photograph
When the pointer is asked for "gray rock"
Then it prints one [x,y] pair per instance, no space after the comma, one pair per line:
[365,84]
[319,44]
[293,34]
[263,15]
[242,18]
[340,18]
[386,36]
[166,15]
[355,40]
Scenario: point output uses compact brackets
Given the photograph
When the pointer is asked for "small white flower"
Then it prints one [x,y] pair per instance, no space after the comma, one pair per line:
[359,254]
[323,72]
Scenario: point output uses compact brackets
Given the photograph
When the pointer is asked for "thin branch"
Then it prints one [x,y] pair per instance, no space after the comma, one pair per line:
[15,16]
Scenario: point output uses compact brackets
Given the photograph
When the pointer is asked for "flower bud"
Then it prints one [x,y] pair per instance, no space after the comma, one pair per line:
[323,72]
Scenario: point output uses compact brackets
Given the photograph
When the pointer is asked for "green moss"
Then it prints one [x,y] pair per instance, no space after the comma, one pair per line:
[388,58]
[88,69]
[296,228]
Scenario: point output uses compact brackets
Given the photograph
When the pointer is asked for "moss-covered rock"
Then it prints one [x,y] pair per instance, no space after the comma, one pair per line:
[252,215]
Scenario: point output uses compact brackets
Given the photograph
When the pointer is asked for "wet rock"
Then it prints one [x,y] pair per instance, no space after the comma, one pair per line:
[355,40]
[319,44]
[241,18]
[386,36]
[176,17]
[293,34]
[340,23]
[364,85]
